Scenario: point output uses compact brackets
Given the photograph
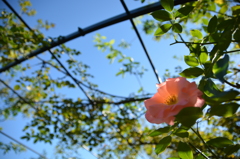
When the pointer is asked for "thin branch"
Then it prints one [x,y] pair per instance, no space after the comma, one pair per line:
[81,32]
[22,145]
[231,51]
[176,42]
[236,86]
[199,151]
[19,96]
[200,137]
[219,13]
[80,82]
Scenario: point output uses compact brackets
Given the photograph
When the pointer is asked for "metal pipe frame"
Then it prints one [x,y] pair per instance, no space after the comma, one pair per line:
[81,32]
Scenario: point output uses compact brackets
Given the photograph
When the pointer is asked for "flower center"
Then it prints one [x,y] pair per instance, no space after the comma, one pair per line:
[171,100]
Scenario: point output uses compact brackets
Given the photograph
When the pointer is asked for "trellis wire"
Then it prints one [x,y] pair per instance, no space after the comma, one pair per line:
[141,41]
[22,144]
[81,32]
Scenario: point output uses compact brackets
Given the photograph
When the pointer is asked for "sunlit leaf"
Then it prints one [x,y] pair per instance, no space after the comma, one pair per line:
[16,87]
[192,72]
[184,151]
[236,10]
[191,60]
[203,57]
[167,4]
[196,33]
[163,144]
[162,29]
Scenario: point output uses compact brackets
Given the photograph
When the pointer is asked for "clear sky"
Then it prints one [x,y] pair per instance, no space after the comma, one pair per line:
[67,17]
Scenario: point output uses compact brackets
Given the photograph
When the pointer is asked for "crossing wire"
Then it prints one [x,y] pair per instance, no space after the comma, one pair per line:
[22,144]
[141,41]
[81,32]
[59,62]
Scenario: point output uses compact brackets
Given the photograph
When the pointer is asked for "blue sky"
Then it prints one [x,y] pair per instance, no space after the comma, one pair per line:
[67,17]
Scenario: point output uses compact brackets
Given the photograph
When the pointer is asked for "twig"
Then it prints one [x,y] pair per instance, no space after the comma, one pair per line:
[22,144]
[199,151]
[231,51]
[176,42]
[200,137]
[236,86]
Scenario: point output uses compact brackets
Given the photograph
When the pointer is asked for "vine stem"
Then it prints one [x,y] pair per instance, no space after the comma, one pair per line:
[199,151]
[200,137]
[196,132]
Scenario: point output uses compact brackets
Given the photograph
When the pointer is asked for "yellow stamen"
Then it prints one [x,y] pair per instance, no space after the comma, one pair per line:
[171,100]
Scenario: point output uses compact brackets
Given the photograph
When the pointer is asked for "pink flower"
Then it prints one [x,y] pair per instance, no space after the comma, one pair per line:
[172,96]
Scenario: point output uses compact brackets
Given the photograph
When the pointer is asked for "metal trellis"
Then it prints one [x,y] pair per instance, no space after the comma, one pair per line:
[81,32]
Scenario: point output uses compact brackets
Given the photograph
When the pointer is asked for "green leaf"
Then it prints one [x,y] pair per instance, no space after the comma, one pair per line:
[16,87]
[120,72]
[220,142]
[191,60]
[188,116]
[191,72]
[162,29]
[167,4]
[160,131]
[184,11]
[184,151]
[199,156]
[212,25]
[183,134]
[203,57]
[162,15]
[140,90]
[223,9]
[196,33]
[210,89]
[220,68]
[217,96]
[236,10]
[224,110]
[177,28]
[231,149]
[226,37]
[163,144]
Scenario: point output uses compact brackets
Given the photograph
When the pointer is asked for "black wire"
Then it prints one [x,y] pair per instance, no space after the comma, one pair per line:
[19,96]
[94,27]
[59,62]
[22,144]
[141,41]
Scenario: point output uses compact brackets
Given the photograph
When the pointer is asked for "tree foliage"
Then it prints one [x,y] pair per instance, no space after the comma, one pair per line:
[113,125]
